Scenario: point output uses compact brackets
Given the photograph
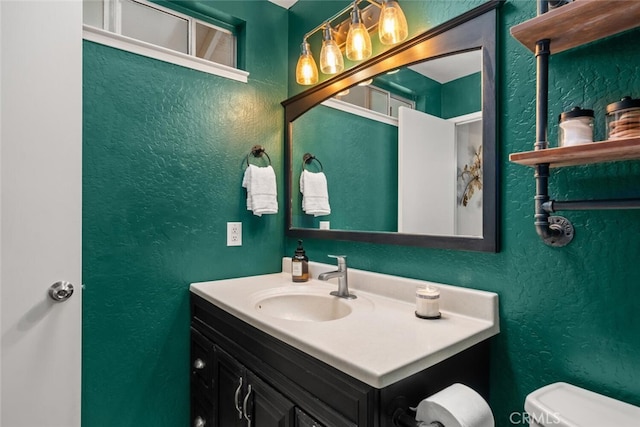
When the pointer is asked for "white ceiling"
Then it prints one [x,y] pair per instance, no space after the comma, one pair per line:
[452,67]
[284,3]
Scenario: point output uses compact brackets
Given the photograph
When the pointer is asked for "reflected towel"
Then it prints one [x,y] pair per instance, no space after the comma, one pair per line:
[262,191]
[315,196]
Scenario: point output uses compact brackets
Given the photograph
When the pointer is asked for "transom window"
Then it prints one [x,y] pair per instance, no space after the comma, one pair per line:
[152,24]
[376,99]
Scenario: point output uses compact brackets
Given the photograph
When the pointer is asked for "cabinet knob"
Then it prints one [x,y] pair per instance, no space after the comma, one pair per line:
[199,364]
[199,422]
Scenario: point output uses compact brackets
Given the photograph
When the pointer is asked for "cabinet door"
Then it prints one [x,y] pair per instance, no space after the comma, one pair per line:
[265,407]
[202,359]
[229,375]
[304,420]
[202,362]
[201,413]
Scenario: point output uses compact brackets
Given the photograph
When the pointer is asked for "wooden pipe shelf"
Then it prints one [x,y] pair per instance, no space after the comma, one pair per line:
[596,152]
[578,23]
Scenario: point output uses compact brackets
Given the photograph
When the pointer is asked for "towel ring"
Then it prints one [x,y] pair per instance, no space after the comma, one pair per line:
[308,158]
[258,151]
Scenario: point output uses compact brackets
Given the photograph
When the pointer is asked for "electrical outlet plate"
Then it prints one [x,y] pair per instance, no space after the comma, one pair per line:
[234,234]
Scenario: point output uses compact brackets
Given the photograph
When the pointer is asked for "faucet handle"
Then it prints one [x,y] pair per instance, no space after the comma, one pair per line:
[342,260]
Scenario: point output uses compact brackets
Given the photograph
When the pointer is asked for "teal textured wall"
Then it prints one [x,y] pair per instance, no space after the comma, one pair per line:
[462,96]
[163,153]
[567,314]
[368,152]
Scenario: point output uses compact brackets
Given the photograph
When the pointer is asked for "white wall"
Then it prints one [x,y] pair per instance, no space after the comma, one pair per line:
[468,142]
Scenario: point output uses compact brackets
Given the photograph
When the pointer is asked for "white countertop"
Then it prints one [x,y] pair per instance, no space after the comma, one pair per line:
[381,341]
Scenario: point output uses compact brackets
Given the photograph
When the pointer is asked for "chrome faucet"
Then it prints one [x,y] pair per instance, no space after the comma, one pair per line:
[341,274]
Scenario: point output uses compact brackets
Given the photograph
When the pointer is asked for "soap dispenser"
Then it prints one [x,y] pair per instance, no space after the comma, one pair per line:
[300,265]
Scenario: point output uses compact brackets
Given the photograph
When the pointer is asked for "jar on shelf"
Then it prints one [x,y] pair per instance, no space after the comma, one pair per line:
[623,119]
[554,4]
[575,127]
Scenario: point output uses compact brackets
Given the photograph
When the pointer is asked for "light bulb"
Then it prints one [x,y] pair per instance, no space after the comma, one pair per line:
[392,27]
[331,61]
[358,44]
[306,69]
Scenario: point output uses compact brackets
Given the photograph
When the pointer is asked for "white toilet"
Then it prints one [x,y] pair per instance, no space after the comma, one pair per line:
[565,405]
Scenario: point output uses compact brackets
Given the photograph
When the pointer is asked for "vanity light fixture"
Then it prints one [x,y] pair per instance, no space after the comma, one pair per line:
[392,25]
[306,70]
[358,41]
[353,36]
[331,61]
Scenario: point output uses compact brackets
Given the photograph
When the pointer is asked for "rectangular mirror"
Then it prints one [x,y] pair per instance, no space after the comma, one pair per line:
[406,142]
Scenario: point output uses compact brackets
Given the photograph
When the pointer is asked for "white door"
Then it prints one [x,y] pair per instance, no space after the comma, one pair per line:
[40,211]
[426,195]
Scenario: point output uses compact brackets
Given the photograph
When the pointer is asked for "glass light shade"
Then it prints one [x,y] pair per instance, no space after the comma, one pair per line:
[358,44]
[306,69]
[392,27]
[331,61]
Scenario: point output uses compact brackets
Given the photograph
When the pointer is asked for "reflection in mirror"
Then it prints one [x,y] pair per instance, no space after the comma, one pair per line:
[409,154]
[400,134]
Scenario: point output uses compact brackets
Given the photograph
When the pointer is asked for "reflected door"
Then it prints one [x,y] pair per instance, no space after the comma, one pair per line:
[426,174]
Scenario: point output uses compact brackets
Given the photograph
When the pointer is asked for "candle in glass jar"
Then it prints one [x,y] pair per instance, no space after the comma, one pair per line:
[428,302]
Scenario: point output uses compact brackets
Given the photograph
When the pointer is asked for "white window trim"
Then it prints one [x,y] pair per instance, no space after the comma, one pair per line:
[379,117]
[360,111]
[118,41]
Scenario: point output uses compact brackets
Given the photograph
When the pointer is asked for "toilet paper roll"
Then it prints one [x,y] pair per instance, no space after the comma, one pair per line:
[455,406]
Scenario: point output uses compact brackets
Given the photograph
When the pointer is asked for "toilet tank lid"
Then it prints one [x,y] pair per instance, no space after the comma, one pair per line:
[565,405]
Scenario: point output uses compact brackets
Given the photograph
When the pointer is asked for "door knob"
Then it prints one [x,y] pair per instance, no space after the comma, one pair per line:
[61,291]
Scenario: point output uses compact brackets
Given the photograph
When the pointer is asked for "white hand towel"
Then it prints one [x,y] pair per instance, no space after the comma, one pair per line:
[315,196]
[262,191]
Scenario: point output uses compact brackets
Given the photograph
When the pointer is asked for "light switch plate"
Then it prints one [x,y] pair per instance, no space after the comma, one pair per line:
[234,234]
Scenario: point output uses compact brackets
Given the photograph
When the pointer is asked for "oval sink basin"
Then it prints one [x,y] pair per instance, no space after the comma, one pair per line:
[304,307]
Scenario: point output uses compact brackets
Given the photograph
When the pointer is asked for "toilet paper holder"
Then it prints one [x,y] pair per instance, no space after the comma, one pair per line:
[402,419]
[403,415]
[455,406]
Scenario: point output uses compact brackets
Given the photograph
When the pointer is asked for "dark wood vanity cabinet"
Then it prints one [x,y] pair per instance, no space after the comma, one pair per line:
[243,399]
[243,377]
[225,393]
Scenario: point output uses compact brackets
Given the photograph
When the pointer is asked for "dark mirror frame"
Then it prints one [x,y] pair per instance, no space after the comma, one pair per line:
[472,30]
